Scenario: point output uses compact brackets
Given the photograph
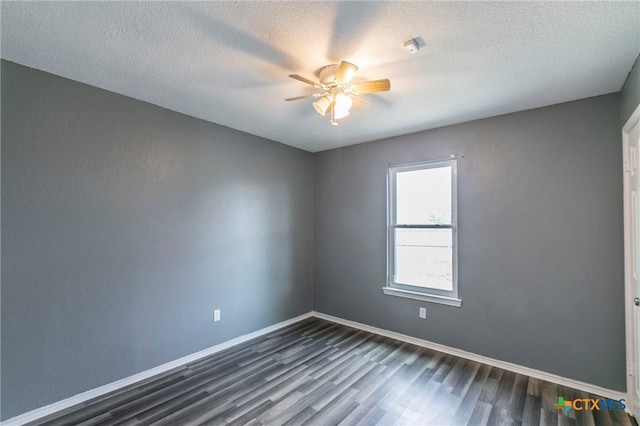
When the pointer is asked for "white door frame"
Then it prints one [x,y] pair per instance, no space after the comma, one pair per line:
[633,404]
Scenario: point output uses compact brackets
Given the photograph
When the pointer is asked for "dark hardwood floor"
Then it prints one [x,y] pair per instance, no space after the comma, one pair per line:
[320,373]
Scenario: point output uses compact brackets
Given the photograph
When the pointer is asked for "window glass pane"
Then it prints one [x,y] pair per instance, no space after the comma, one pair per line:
[424,258]
[424,196]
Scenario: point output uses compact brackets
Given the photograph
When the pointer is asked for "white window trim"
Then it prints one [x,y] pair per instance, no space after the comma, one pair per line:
[449,298]
[426,297]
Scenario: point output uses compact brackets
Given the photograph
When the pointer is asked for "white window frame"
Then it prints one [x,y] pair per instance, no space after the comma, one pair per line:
[418,292]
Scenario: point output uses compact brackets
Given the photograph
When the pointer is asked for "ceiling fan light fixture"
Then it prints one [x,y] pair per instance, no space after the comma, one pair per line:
[342,106]
[337,91]
[322,105]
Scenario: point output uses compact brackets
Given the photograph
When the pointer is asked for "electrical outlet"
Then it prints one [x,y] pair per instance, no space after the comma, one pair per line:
[423,313]
[216,315]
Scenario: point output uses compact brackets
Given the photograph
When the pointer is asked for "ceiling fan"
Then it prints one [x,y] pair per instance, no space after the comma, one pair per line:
[337,91]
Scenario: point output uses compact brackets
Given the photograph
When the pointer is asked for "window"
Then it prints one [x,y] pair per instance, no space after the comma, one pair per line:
[422,261]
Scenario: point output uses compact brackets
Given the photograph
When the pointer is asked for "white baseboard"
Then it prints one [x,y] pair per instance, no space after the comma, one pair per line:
[531,372]
[41,412]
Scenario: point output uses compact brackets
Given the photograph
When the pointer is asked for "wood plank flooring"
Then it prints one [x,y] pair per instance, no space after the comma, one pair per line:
[320,373]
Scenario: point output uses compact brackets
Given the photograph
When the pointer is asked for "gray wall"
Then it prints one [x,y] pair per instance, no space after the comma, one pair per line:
[125,224]
[630,92]
[540,238]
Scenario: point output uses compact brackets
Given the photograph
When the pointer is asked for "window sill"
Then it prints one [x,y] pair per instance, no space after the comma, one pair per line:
[450,301]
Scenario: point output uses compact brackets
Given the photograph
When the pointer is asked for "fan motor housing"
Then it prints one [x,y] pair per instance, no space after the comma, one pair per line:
[327,74]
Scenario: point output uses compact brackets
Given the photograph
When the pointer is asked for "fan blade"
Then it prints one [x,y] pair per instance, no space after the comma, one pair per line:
[372,86]
[306,80]
[297,98]
[345,72]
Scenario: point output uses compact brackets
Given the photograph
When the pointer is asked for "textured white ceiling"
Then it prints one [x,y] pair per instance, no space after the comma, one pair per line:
[227,62]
